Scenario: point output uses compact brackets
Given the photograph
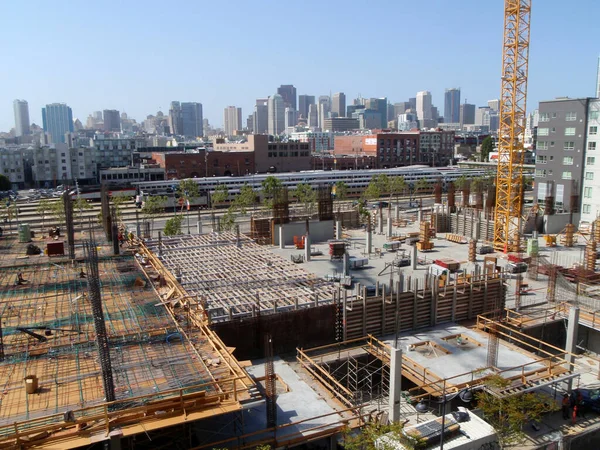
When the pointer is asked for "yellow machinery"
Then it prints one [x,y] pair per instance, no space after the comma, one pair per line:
[513,106]
[550,240]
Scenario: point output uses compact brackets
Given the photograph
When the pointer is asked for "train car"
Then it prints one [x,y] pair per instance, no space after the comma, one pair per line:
[93,193]
[356,180]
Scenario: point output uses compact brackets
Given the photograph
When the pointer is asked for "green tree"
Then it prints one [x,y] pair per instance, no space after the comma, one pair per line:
[188,191]
[368,437]
[5,183]
[305,194]
[508,414]
[245,199]
[44,208]
[270,186]
[79,205]
[220,195]
[227,222]
[153,206]
[397,187]
[173,225]
[118,202]
[487,146]
[341,191]
[58,211]
[460,183]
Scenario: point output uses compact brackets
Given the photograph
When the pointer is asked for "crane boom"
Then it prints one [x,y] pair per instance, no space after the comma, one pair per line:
[513,107]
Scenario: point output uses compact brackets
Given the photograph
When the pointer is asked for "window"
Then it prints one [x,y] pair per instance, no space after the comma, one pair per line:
[566,175]
[540,173]
[589,176]
[593,131]
[543,131]
[571,117]
[554,115]
[568,161]
[569,145]
[570,131]
[544,117]
[586,209]
[551,143]
[587,192]
[590,161]
[553,130]
[594,115]
[542,145]
[591,146]
[541,160]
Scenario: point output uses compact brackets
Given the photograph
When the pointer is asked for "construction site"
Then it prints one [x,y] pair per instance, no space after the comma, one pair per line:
[309,326]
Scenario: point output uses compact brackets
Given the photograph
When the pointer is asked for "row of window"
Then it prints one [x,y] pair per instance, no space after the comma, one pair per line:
[567,160]
[568,145]
[286,154]
[569,131]
[569,116]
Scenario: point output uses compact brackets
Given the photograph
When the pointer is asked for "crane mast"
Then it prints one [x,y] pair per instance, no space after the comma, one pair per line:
[513,107]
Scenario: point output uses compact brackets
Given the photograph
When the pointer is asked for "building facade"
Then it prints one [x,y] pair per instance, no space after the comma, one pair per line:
[424,107]
[21,110]
[57,120]
[452,105]
[232,120]
[276,115]
[12,166]
[341,124]
[192,120]
[288,93]
[304,101]
[467,114]
[112,121]
[260,117]
[319,141]
[176,119]
[338,105]
[590,201]
[561,151]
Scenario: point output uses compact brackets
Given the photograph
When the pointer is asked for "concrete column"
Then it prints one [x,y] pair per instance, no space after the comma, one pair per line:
[389,223]
[380,223]
[346,264]
[395,384]
[369,243]
[199,226]
[571,345]
[307,243]
[281,237]
[419,215]
[338,229]
[397,211]
[414,257]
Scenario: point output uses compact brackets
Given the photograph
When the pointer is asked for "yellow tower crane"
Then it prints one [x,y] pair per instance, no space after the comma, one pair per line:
[513,104]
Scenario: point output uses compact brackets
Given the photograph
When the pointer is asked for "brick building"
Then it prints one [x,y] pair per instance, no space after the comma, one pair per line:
[204,163]
[343,162]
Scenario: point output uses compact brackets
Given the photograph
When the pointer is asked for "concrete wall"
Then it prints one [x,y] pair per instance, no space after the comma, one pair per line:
[319,231]
[557,222]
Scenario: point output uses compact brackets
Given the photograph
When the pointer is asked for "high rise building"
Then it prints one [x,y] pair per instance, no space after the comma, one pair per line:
[250,123]
[232,120]
[260,117]
[324,108]
[112,120]
[413,103]
[467,114]
[452,105]
[304,101]
[57,120]
[598,80]
[590,202]
[379,105]
[288,92]
[338,106]
[276,115]
[423,105]
[400,108]
[494,104]
[313,116]
[291,118]
[192,120]
[22,123]
[561,150]
[176,119]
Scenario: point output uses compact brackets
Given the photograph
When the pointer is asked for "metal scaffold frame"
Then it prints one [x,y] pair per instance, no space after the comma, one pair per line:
[513,107]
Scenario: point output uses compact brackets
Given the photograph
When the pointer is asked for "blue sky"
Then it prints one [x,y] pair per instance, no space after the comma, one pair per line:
[138,56]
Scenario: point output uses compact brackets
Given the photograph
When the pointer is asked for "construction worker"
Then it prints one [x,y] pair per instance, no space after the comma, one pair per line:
[566,405]
[20,279]
[579,404]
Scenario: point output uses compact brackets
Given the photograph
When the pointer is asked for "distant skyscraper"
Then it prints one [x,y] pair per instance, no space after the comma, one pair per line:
[494,104]
[379,105]
[452,105]
[598,80]
[260,117]
[313,116]
[288,92]
[291,118]
[304,101]
[467,114]
[232,120]
[276,114]
[112,120]
[324,108]
[21,117]
[176,119]
[413,103]
[97,115]
[423,106]
[192,120]
[338,106]
[250,123]
[57,119]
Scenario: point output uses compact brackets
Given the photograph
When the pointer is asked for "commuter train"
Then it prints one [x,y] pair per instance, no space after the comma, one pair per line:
[355,180]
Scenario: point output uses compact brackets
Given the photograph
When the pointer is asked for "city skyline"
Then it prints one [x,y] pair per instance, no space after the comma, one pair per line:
[135,91]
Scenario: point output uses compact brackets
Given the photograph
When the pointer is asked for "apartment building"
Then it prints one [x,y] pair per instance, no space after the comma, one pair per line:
[590,201]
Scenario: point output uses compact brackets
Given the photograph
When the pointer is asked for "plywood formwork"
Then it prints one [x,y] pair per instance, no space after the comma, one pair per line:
[161,361]
[412,304]
[234,277]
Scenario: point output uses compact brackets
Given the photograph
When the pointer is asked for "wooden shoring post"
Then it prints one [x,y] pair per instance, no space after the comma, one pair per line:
[470,313]
[344,315]
[383,303]
[364,311]
[454,300]
[415,300]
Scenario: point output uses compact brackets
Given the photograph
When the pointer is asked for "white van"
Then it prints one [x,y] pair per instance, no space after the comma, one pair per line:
[437,270]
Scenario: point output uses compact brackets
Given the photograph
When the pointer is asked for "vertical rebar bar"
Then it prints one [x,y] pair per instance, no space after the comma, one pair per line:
[70,228]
